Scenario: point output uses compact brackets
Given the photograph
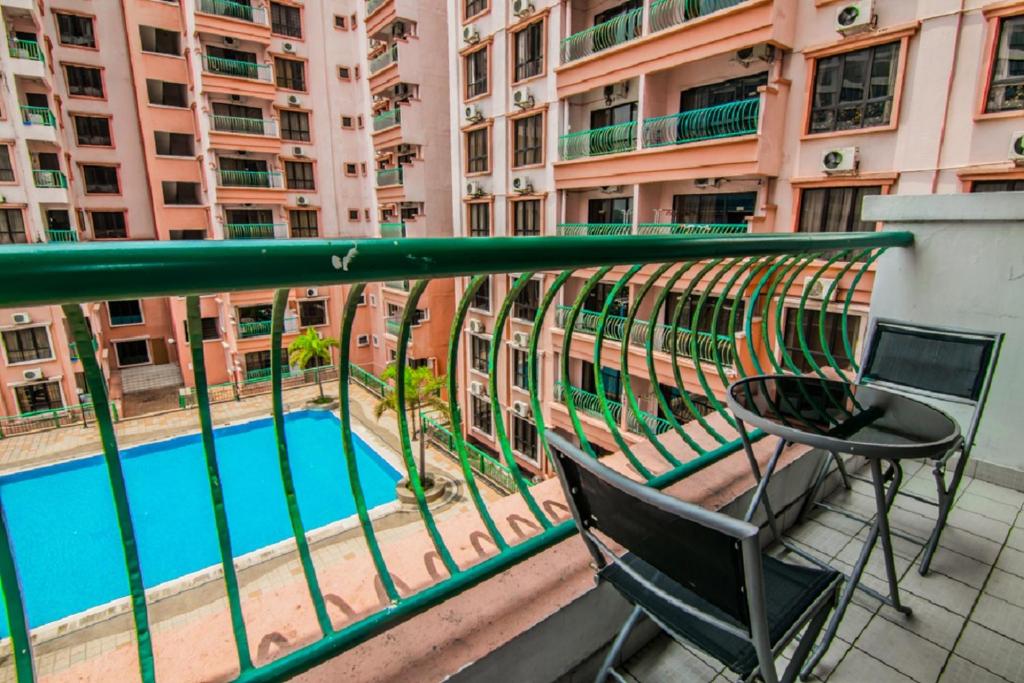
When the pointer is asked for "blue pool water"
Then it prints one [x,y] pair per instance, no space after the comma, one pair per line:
[66,541]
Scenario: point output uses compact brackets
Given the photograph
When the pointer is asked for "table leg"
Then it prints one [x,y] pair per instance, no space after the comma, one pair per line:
[883,501]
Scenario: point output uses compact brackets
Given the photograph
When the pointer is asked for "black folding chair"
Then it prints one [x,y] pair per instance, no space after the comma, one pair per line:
[940,366]
[699,575]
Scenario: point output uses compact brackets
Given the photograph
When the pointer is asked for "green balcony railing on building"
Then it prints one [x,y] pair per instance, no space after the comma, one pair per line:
[232,178]
[244,125]
[585,229]
[399,285]
[589,403]
[369,381]
[73,349]
[386,119]
[620,137]
[49,178]
[39,420]
[234,10]
[621,29]
[373,5]
[264,374]
[392,229]
[384,59]
[126,319]
[253,328]
[721,121]
[239,68]
[37,116]
[691,228]
[770,273]
[25,49]
[251,231]
[388,177]
[667,13]
[55,235]
[392,326]
[481,463]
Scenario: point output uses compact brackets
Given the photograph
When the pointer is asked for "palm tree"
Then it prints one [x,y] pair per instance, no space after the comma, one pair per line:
[309,347]
[422,390]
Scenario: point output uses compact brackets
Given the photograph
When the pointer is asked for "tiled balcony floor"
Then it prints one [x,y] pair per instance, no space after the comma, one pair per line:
[968,620]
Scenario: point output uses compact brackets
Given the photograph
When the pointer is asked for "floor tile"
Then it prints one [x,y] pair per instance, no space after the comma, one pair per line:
[1003,512]
[960,567]
[993,651]
[966,543]
[946,592]
[1016,538]
[1000,494]
[858,667]
[918,658]
[822,538]
[1009,587]
[928,620]
[1000,616]
[979,525]
[665,660]
[1011,560]
[959,670]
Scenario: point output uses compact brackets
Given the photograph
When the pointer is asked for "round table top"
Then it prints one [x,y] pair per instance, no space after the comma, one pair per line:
[845,418]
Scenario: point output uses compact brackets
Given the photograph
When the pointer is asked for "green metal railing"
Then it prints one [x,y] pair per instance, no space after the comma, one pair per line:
[54,235]
[237,67]
[621,29]
[580,229]
[49,178]
[721,121]
[251,231]
[392,229]
[234,10]
[707,275]
[666,13]
[387,177]
[232,178]
[388,118]
[25,49]
[244,125]
[392,326]
[481,463]
[384,59]
[369,381]
[620,137]
[691,228]
[400,285]
[130,319]
[40,420]
[373,5]
[255,328]
[37,116]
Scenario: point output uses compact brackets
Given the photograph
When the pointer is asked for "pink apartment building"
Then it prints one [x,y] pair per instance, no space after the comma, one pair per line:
[725,116]
[210,119]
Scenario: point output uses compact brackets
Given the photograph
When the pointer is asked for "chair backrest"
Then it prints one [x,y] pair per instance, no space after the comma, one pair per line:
[697,548]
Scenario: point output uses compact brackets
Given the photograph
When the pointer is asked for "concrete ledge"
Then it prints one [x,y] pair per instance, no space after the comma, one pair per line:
[945,208]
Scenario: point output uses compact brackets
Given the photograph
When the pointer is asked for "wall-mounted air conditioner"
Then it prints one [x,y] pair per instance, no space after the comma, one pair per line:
[312,292]
[520,339]
[474,189]
[476,388]
[473,114]
[32,374]
[522,98]
[819,289]
[521,408]
[471,34]
[1017,148]
[476,326]
[840,160]
[855,17]
[21,318]
[522,185]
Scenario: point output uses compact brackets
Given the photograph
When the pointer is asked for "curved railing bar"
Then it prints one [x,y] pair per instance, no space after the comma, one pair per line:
[731,266]
[846,307]
[823,342]
[761,262]
[531,358]
[17,621]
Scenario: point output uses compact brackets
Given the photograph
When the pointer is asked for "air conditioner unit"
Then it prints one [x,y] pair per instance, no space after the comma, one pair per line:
[473,114]
[311,292]
[855,17]
[406,148]
[288,47]
[522,8]
[474,189]
[33,374]
[301,201]
[522,98]
[748,55]
[229,40]
[611,189]
[471,34]
[236,98]
[705,183]
[522,185]
[817,289]
[1017,148]
[297,151]
[521,408]
[476,326]
[293,99]
[21,318]
[520,339]
[476,388]
[840,160]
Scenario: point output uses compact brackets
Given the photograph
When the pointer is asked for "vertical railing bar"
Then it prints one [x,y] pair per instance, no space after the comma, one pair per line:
[796,266]
[115,473]
[824,310]
[846,307]
[748,318]
[531,362]
[749,267]
[17,620]
[294,516]
[227,561]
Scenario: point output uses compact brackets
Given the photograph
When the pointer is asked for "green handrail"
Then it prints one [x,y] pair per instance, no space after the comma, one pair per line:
[621,29]
[25,49]
[37,116]
[387,118]
[620,137]
[580,229]
[667,13]
[54,235]
[232,178]
[49,178]
[234,10]
[709,123]
[389,177]
[130,319]
[245,125]
[257,375]
[482,463]
[392,229]
[369,381]
[223,66]
[392,326]
[251,231]
[589,402]
[384,59]
[692,228]
[253,328]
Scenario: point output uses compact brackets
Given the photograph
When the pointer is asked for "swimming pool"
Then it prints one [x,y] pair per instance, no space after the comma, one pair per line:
[64,532]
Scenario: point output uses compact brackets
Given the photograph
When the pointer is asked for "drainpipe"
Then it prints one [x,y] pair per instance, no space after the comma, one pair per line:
[949,93]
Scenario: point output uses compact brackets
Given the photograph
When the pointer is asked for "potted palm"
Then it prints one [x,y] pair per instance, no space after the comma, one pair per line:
[422,390]
[310,348]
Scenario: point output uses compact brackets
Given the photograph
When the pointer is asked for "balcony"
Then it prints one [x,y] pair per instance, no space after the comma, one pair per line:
[233,10]
[232,178]
[59,236]
[252,231]
[373,5]
[50,179]
[393,326]
[392,230]
[599,229]
[397,285]
[389,177]
[615,139]
[243,126]
[387,119]
[238,76]
[255,328]
[25,49]
[37,116]
[622,29]
[237,68]
[384,59]
[250,187]
[238,20]
[237,132]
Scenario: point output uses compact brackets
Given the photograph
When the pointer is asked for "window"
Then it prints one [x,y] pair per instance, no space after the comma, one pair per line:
[312,313]
[83,81]
[166,94]
[479,350]
[344,72]
[609,14]
[160,40]
[75,30]
[290,73]
[135,352]
[482,297]
[478,144]
[812,337]
[475,7]
[476,73]
[479,219]
[347,122]
[127,312]
[181,193]
[58,219]
[6,167]
[174,144]
[706,321]
[27,345]
[12,227]
[617,210]
[519,367]
[480,413]
[718,207]
[340,22]
[834,209]
[351,169]
[303,223]
[92,130]
[108,224]
[1009,185]
[193,234]
[528,51]
[295,125]
[528,141]
[723,92]
[100,179]
[1006,89]
[855,89]
[526,303]
[299,175]
[526,217]
[353,214]
[39,396]
[524,437]
[286,20]
[211,330]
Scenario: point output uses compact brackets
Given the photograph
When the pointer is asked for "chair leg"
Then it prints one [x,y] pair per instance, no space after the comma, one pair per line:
[806,643]
[620,640]
[947,496]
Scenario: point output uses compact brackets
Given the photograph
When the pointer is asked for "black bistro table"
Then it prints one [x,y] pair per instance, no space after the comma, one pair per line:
[840,417]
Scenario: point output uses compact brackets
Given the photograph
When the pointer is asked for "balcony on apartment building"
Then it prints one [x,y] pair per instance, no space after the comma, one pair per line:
[381,15]
[26,52]
[59,228]
[247,179]
[608,45]
[252,223]
[243,123]
[238,69]
[241,19]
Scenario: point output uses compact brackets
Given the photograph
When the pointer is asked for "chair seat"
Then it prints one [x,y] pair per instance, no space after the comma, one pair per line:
[789,591]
